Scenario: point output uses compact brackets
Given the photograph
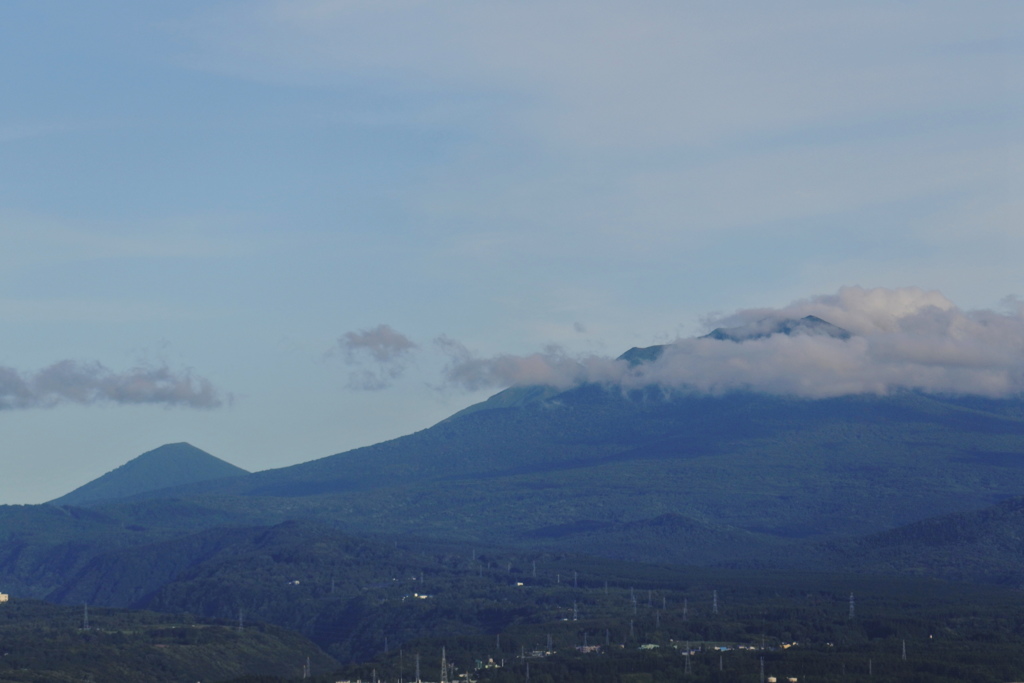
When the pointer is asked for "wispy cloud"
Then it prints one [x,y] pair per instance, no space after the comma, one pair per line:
[386,351]
[661,129]
[88,383]
[552,367]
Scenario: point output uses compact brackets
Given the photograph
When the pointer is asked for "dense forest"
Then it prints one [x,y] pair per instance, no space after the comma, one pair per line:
[377,605]
[42,643]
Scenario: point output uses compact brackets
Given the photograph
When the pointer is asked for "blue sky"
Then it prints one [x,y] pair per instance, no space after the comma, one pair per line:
[213,214]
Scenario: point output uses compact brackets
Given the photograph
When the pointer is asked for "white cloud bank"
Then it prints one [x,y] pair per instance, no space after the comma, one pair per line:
[901,339]
[70,381]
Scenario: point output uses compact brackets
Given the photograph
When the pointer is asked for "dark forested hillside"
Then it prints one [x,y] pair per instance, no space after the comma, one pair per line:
[582,463]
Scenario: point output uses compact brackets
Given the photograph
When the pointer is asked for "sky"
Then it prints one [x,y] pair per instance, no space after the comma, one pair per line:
[280,230]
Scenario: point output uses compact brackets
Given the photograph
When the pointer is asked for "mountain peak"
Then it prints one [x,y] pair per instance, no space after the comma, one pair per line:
[791,327]
[761,329]
[169,465]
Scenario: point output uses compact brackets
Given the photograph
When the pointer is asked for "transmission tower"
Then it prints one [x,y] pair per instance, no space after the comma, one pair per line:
[714,602]
[852,610]
[444,667]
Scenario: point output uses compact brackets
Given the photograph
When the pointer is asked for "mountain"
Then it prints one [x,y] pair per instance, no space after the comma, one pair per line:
[736,473]
[173,464]
[653,474]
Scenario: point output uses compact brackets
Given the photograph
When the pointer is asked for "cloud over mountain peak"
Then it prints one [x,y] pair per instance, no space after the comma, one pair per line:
[856,341]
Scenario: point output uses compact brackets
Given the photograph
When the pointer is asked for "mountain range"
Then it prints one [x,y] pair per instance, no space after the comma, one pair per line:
[658,474]
[905,483]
